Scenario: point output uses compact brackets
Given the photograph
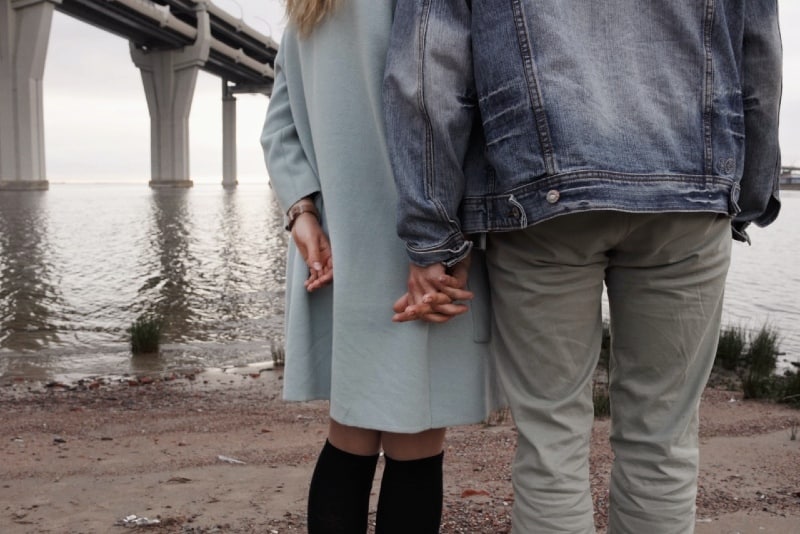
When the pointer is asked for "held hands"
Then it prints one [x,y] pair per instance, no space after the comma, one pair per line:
[314,246]
[433,293]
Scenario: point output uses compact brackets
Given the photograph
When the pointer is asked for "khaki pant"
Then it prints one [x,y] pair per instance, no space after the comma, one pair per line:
[665,275]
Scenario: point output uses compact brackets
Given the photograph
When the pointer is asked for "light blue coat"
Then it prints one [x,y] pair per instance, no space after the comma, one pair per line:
[324,133]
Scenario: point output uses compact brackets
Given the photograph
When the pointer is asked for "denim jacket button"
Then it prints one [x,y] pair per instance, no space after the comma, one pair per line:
[553,196]
[515,212]
[729,166]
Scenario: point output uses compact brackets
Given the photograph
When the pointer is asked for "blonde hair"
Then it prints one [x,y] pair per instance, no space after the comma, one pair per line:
[306,14]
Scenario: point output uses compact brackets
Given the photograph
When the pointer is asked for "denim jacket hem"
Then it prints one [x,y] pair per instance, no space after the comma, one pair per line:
[546,198]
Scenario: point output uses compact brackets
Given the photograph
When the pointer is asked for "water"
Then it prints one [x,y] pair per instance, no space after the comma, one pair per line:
[79,263]
[763,286]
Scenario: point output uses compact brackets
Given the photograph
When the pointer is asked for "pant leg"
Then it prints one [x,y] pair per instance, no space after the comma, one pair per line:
[665,288]
[546,283]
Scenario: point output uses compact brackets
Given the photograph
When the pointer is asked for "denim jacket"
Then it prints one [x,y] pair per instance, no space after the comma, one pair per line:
[505,113]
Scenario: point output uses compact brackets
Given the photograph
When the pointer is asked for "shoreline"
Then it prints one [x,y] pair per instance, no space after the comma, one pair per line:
[82,458]
[79,381]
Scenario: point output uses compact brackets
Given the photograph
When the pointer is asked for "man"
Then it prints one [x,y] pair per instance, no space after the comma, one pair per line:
[625,142]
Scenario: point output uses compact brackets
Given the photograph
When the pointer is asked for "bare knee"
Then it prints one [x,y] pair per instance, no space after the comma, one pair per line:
[355,440]
[413,446]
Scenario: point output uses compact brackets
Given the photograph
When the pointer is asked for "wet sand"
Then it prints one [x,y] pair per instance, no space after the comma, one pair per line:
[220,452]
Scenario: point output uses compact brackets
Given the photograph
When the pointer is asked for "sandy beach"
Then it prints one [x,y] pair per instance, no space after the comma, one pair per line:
[220,452]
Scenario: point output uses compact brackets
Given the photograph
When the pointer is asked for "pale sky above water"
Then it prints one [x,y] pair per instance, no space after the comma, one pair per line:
[97,127]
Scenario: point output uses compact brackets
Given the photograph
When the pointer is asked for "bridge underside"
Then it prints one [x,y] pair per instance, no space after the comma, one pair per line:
[170,41]
[129,20]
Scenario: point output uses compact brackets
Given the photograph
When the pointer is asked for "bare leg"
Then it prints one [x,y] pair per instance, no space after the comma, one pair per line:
[360,441]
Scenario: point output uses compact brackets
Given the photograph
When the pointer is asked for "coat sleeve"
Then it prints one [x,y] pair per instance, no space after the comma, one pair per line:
[291,174]
[429,103]
[762,79]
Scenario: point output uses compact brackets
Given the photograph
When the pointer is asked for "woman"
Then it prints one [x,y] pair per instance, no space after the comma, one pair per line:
[391,386]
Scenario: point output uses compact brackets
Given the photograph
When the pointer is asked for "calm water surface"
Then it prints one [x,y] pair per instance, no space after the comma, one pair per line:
[79,263]
[763,284]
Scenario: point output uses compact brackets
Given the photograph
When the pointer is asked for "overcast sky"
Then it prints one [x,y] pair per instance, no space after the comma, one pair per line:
[97,126]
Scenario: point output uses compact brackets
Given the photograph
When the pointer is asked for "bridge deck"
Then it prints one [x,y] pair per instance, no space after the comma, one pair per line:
[240,54]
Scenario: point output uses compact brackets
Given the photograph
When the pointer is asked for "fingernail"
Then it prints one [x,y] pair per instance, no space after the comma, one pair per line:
[317,266]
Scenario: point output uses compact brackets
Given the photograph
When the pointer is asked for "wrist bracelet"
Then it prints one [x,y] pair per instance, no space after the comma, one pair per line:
[304,205]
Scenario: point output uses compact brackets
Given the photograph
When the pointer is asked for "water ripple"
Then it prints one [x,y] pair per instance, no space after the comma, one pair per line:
[79,263]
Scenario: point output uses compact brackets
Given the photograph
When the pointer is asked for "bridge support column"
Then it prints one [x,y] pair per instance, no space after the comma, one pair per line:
[169,78]
[228,137]
[24,33]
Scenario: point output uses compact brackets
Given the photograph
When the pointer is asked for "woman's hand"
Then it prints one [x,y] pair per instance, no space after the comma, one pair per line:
[315,247]
[433,293]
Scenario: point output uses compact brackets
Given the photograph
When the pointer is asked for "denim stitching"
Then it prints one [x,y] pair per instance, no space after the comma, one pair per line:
[533,86]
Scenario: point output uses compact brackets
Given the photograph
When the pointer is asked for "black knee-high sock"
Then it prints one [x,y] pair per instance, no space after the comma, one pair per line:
[338,500]
[411,496]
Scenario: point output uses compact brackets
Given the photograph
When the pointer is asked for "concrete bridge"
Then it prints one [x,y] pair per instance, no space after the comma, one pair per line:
[790,177]
[170,41]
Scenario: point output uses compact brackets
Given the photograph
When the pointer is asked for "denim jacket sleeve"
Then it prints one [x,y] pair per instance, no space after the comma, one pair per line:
[430,104]
[292,175]
[761,69]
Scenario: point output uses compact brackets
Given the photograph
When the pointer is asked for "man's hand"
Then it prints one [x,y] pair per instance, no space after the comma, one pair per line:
[433,293]
[314,246]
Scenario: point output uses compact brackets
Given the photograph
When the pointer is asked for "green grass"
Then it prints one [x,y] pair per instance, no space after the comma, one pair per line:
[278,355]
[758,364]
[746,359]
[788,388]
[145,335]
[601,400]
[732,341]
[753,358]
[605,347]
[498,417]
